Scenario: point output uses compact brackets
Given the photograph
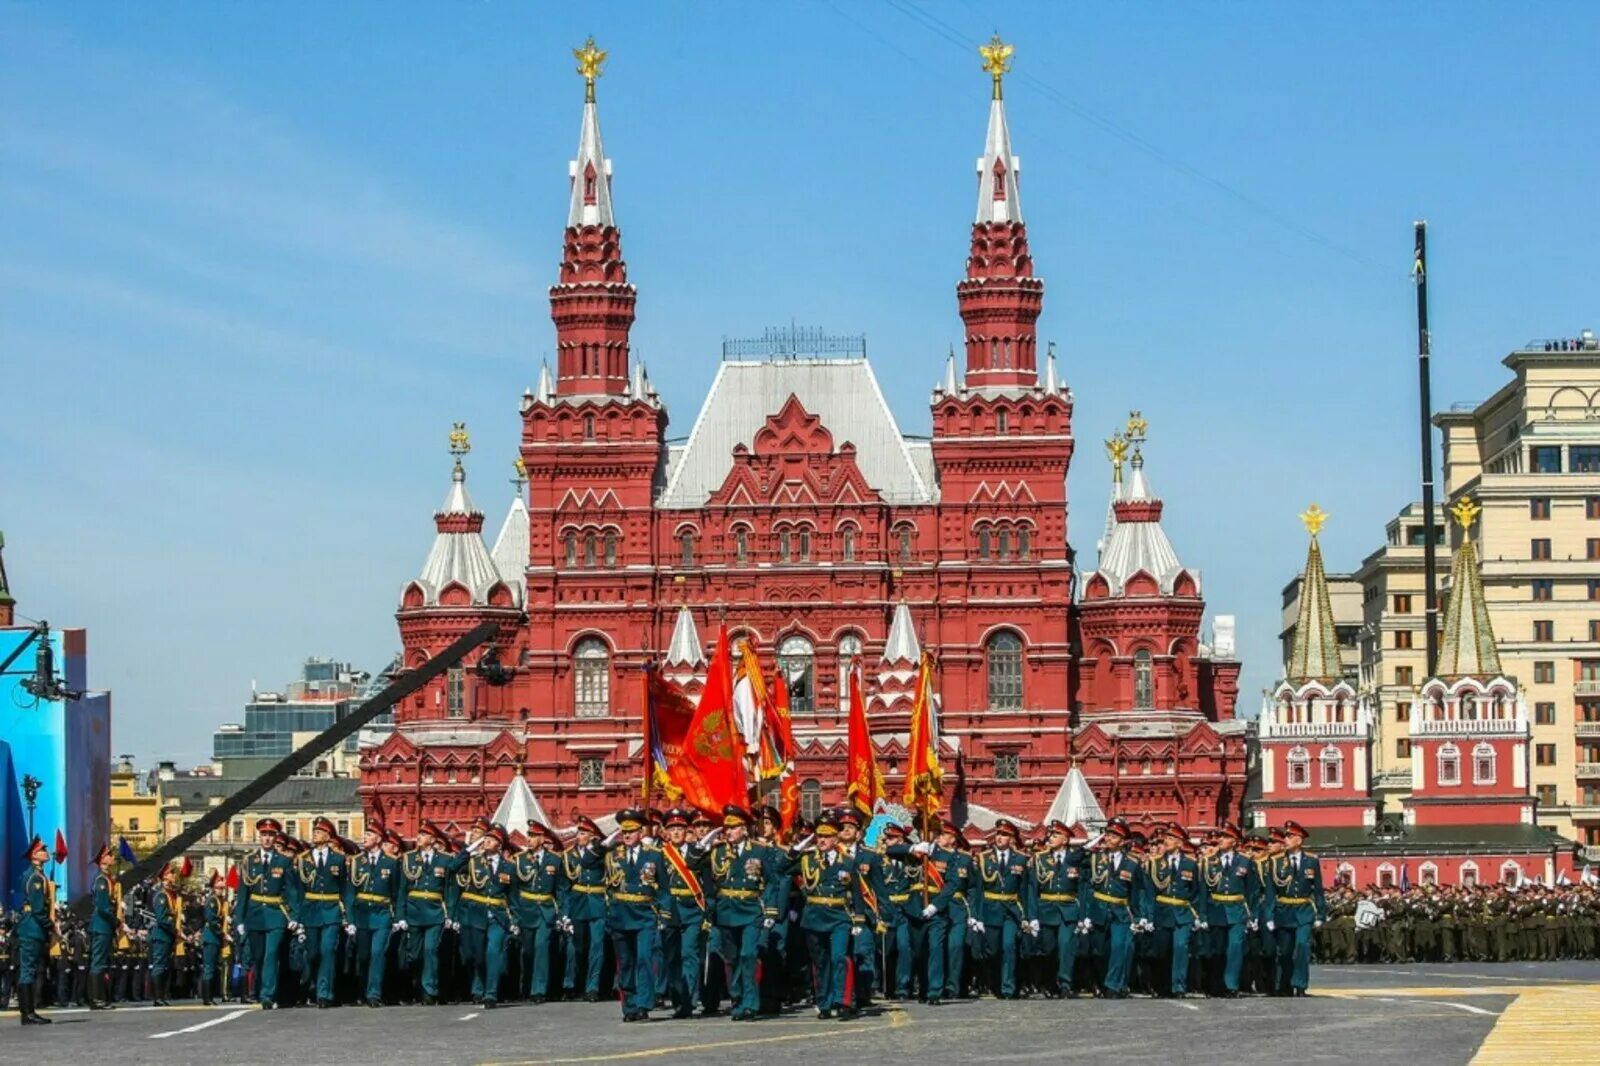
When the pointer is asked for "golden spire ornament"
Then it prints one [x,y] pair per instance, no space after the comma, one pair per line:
[1466,511]
[1117,452]
[460,443]
[1137,427]
[1313,518]
[996,60]
[590,60]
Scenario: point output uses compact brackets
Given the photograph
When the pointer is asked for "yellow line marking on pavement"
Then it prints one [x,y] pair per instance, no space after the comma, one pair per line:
[897,1020]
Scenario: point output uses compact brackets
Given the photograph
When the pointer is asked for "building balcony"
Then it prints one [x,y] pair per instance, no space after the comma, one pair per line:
[1471,727]
[1270,730]
[1589,853]
[1587,729]
[1586,689]
[1588,770]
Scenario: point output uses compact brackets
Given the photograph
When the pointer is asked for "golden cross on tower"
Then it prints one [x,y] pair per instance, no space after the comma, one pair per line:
[1116,451]
[1466,511]
[590,60]
[1314,518]
[460,443]
[996,60]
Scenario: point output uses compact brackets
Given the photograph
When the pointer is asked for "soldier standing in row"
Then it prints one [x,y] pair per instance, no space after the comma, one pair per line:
[428,872]
[831,885]
[1233,892]
[541,895]
[1179,901]
[378,882]
[105,923]
[1297,904]
[746,876]
[214,937]
[326,898]
[683,933]
[1057,886]
[489,884]
[585,914]
[35,927]
[268,894]
[1003,906]
[638,902]
[1115,905]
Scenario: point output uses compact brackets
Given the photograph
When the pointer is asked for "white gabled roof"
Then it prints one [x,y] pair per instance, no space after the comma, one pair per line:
[685,649]
[902,646]
[510,553]
[843,393]
[519,806]
[1132,546]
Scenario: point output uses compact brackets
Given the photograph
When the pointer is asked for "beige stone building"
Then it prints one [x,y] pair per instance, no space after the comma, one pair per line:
[1530,455]
[135,808]
[296,803]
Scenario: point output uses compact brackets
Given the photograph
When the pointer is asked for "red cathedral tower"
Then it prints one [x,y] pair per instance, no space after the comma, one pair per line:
[797,512]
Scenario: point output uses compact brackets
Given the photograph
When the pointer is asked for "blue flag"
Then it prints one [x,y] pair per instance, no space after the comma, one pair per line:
[125,850]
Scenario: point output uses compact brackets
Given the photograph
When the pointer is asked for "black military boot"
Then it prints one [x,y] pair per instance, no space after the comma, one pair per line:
[33,1015]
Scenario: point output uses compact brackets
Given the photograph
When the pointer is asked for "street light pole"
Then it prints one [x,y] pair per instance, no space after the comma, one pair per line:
[30,796]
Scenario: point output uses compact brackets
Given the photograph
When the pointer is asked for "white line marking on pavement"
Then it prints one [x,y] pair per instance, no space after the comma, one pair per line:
[202,1025]
[467,1017]
[1470,1009]
[1187,1006]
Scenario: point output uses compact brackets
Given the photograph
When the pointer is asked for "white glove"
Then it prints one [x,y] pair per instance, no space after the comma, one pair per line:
[1086,925]
[1202,925]
[855,930]
[296,927]
[239,929]
[808,844]
[922,847]
[516,930]
[301,936]
[349,930]
[616,834]
[1033,927]
[1251,925]
[929,911]
[977,927]
[710,838]
[455,927]
[402,925]
[767,923]
[1317,924]
[1271,925]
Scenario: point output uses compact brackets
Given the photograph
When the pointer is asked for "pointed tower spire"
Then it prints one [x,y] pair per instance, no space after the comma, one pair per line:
[593,304]
[511,548]
[950,385]
[459,556]
[1469,648]
[1000,299]
[546,391]
[902,645]
[1136,540]
[686,649]
[1052,383]
[8,606]
[1315,655]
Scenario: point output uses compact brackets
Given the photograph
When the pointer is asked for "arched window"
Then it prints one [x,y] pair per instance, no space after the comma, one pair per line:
[1144,681]
[1510,873]
[569,548]
[455,692]
[797,660]
[611,549]
[1469,707]
[1449,766]
[849,652]
[803,545]
[1345,874]
[588,550]
[591,678]
[1386,876]
[1332,760]
[1001,421]
[905,544]
[847,545]
[983,542]
[1468,874]
[1003,657]
[811,799]
[1002,543]
[1022,543]
[1483,764]
[1299,764]
[783,545]
[588,427]
[741,544]
[1428,874]
[686,548]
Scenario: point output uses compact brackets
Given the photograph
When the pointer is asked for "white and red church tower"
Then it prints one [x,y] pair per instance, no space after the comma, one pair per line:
[798,513]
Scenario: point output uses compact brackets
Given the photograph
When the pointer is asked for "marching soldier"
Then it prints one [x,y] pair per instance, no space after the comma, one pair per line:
[1296,905]
[1179,890]
[541,896]
[467,917]
[585,914]
[1004,904]
[166,932]
[214,937]
[1116,904]
[637,902]
[428,872]
[897,877]
[488,884]
[1233,891]
[831,883]
[376,881]
[683,935]
[1058,889]
[35,927]
[870,917]
[773,963]
[105,922]
[326,900]
[268,895]
[961,921]
[932,894]
[747,877]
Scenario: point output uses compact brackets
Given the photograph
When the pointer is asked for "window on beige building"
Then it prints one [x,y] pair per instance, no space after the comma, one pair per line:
[1546,794]
[1544,672]
[1402,603]
[1539,507]
[1543,589]
[1544,714]
[1544,754]
[1544,629]
[1402,675]
[1402,638]
[1539,548]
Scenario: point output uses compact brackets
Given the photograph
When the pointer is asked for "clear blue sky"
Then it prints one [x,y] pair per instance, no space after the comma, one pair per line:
[257,258]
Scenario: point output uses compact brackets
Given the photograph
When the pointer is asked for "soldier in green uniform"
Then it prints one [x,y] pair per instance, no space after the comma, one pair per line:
[1057,873]
[489,884]
[428,872]
[584,916]
[35,926]
[1296,905]
[1233,894]
[541,896]
[1003,903]
[1114,899]
[105,922]
[683,932]
[772,953]
[326,899]
[637,903]
[874,900]
[1178,899]
[962,922]
[377,882]
[165,933]
[831,883]
[213,936]
[897,878]
[268,896]
[747,876]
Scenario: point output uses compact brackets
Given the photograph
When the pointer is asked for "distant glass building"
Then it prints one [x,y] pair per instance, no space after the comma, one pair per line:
[275,723]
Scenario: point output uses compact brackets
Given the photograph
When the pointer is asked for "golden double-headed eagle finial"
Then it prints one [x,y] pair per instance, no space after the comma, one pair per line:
[1466,511]
[590,59]
[460,443]
[1117,452]
[1314,518]
[996,60]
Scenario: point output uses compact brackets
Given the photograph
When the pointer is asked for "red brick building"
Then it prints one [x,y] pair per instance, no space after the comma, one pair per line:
[799,513]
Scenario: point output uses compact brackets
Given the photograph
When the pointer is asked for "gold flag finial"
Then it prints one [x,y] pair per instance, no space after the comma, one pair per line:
[1117,451]
[1466,511]
[590,60]
[522,472]
[1137,427]
[1314,518]
[460,443]
[996,60]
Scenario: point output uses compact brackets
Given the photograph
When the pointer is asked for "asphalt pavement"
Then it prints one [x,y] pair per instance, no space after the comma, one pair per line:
[1409,1015]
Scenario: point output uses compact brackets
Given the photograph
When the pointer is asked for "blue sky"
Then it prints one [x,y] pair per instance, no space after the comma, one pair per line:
[257,258]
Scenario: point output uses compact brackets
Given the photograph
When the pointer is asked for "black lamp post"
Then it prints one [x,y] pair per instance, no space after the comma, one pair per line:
[30,797]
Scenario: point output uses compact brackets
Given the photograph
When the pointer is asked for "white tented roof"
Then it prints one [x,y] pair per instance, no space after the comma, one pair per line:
[1075,804]
[519,806]
[843,393]
[510,552]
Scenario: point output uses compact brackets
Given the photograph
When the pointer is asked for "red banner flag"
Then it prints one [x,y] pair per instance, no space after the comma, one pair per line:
[710,768]
[233,879]
[924,778]
[863,782]
[789,784]
[61,847]
[667,715]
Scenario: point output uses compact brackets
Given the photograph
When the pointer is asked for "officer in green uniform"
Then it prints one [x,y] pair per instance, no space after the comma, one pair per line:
[874,905]
[772,953]
[428,872]
[105,922]
[488,882]
[541,896]
[897,879]
[1113,898]
[1179,900]
[747,877]
[213,936]
[269,892]
[1233,895]
[1003,903]
[831,882]
[683,933]
[584,916]
[1296,905]
[327,897]
[637,903]
[35,926]
[935,886]
[375,881]
[960,865]
[165,933]
[467,918]
[1057,873]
